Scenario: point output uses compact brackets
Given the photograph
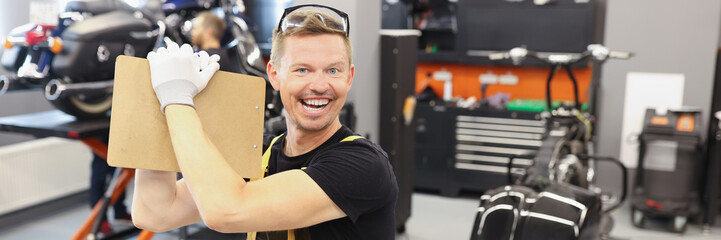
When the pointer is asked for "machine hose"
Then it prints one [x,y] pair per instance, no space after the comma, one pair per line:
[624,172]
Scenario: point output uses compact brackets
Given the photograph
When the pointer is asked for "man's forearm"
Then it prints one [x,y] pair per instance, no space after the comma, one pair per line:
[153,196]
[213,184]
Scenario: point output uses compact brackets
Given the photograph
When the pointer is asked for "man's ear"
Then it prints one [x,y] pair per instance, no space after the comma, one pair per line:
[209,34]
[273,75]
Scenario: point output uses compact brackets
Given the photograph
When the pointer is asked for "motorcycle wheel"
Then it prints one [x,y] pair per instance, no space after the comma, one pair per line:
[84,106]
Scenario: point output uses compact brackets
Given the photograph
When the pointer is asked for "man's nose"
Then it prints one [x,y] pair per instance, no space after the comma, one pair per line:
[320,83]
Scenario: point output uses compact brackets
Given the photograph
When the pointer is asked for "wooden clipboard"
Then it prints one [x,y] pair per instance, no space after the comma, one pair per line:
[231,109]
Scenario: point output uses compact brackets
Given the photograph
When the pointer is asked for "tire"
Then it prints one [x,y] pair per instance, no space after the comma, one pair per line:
[638,219]
[85,106]
[401,229]
[678,224]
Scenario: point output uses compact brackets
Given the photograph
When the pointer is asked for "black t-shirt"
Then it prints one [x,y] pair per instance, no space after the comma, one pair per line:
[226,64]
[356,175]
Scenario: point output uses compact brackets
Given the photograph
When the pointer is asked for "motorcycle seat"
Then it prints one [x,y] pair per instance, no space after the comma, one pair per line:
[94,7]
[113,26]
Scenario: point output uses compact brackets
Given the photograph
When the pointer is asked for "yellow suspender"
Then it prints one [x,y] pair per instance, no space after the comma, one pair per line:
[266,157]
[264,168]
[350,138]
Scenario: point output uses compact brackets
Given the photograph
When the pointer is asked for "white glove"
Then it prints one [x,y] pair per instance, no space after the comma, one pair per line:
[178,74]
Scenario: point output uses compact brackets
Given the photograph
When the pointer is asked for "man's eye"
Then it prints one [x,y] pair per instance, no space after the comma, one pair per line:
[302,70]
[333,71]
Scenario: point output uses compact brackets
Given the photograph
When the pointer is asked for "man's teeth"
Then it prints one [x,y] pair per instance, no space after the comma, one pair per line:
[312,108]
[316,102]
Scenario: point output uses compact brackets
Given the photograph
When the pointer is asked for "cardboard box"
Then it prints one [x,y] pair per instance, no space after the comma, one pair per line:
[231,109]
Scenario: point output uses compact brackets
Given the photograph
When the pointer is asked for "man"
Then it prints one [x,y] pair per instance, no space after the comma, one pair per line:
[316,182]
[207,31]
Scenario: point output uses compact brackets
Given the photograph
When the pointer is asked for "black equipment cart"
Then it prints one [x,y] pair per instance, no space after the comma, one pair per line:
[668,168]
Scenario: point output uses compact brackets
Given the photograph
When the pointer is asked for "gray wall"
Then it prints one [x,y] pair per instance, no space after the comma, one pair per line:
[13,14]
[667,36]
[365,24]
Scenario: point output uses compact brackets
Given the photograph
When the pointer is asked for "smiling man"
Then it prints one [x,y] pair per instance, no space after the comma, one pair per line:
[322,180]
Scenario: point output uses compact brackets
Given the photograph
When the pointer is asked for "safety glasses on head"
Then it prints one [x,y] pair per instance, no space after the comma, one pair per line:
[338,21]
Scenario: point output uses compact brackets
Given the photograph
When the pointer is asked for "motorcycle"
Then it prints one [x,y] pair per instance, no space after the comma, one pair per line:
[556,197]
[238,40]
[74,60]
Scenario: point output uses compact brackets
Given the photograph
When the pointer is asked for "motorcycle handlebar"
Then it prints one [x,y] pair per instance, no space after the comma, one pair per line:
[498,56]
[620,55]
[597,51]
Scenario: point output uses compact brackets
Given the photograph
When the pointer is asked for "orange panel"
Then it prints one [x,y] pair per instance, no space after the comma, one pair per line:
[659,121]
[531,81]
[685,122]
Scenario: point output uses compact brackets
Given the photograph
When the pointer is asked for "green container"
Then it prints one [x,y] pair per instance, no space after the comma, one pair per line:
[534,105]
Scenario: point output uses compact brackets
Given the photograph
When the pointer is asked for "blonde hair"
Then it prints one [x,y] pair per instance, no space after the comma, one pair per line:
[312,25]
[208,20]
